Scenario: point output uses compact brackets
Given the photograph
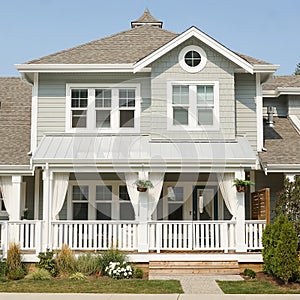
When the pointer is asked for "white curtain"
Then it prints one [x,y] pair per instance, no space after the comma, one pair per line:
[130,179]
[6,190]
[60,187]
[228,191]
[157,180]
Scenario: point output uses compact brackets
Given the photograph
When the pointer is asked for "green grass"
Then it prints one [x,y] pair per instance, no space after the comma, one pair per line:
[91,285]
[254,287]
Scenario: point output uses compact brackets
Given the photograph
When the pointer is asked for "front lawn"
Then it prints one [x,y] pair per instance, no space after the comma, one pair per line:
[92,285]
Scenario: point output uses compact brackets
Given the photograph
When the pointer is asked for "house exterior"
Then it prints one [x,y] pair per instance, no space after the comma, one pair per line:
[181,110]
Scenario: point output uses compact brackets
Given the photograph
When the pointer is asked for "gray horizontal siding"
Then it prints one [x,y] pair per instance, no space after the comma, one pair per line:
[245,93]
[217,68]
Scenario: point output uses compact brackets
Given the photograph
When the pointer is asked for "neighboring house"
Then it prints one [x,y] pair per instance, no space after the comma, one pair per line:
[181,110]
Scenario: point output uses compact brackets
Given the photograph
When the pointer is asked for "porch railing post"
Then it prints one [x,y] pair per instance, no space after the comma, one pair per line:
[143,243]
[225,234]
[158,237]
[4,238]
[38,237]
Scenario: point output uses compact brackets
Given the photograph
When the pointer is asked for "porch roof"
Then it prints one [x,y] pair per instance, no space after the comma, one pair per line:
[141,150]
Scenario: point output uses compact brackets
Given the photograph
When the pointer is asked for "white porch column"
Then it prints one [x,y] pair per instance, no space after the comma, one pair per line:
[46,209]
[16,198]
[143,218]
[240,217]
[36,194]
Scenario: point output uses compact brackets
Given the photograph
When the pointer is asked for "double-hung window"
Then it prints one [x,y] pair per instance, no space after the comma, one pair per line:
[193,105]
[104,108]
[104,202]
[80,202]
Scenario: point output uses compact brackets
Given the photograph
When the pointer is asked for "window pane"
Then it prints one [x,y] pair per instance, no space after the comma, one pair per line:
[178,193]
[205,95]
[103,98]
[123,193]
[78,118]
[205,116]
[103,193]
[175,211]
[79,98]
[80,193]
[127,118]
[126,211]
[80,211]
[103,118]
[180,94]
[180,116]
[127,97]
[103,211]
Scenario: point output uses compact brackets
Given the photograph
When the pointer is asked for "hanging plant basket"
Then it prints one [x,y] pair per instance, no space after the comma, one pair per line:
[240,188]
[141,189]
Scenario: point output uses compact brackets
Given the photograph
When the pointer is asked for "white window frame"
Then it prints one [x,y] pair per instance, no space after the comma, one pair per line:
[3,213]
[192,110]
[115,109]
[183,64]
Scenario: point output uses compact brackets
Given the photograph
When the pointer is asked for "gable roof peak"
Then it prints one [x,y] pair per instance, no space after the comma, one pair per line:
[146,19]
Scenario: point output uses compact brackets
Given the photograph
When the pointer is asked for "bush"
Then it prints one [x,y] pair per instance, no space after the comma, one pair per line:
[77,276]
[39,274]
[250,273]
[16,274]
[47,262]
[88,264]
[3,267]
[111,255]
[66,263]
[118,270]
[280,250]
[15,268]
[138,273]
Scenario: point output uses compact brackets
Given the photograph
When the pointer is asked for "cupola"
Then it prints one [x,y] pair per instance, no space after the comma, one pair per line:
[146,19]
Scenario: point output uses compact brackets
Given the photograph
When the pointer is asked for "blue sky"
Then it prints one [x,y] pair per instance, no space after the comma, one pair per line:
[265,29]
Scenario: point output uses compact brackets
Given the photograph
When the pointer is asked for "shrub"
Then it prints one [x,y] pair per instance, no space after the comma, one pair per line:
[3,267]
[250,273]
[77,276]
[39,274]
[66,263]
[118,270]
[111,255]
[280,250]
[47,262]
[15,268]
[138,273]
[16,274]
[88,263]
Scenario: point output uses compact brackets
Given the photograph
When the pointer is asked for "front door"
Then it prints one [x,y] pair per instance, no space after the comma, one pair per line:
[205,203]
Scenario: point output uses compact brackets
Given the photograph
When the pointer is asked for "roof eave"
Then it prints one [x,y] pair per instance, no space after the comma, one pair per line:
[194,32]
[281,91]
[77,68]
[261,68]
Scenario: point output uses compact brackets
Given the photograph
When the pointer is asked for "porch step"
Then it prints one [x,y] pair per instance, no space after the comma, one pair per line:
[193,267]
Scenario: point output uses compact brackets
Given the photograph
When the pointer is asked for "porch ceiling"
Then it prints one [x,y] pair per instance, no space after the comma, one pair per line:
[128,150]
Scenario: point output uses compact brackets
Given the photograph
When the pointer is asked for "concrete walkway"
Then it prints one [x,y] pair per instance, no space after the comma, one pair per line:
[199,284]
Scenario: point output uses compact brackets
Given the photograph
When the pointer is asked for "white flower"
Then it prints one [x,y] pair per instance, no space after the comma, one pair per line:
[130,273]
[125,274]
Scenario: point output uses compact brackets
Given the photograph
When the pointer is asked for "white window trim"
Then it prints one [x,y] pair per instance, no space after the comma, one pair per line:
[115,203]
[3,213]
[192,112]
[188,68]
[91,112]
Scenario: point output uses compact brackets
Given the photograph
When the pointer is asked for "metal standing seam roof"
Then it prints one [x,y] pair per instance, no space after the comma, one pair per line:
[74,149]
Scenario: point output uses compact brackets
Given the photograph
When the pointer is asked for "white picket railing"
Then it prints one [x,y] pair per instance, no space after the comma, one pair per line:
[253,234]
[192,235]
[95,235]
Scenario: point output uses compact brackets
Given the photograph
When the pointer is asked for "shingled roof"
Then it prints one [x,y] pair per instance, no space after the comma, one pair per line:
[282,143]
[287,81]
[127,47]
[15,120]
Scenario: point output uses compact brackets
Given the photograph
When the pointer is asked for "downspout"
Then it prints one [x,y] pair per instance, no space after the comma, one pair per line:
[259,113]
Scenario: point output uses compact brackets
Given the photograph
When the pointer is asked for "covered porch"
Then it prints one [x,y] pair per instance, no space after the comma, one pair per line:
[84,196]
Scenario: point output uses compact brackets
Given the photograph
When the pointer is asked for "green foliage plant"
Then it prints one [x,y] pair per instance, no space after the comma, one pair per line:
[111,255]
[288,202]
[65,260]
[3,267]
[88,263]
[77,276]
[138,273]
[39,274]
[250,273]
[47,262]
[15,268]
[280,250]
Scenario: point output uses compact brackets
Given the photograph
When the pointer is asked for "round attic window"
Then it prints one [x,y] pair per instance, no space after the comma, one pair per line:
[192,59]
